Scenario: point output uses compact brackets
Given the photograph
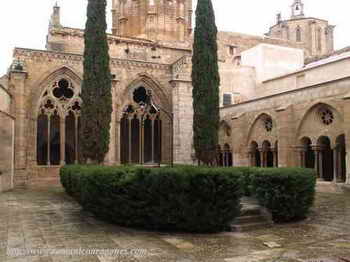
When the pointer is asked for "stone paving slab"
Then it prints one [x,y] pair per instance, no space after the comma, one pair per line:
[43,218]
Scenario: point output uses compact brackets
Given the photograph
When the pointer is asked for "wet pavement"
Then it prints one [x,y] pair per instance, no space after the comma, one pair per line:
[42,224]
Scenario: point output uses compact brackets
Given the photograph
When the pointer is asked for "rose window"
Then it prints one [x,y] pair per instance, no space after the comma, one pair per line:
[327,116]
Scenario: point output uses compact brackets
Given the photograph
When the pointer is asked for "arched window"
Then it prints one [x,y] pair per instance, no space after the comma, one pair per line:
[298,34]
[141,131]
[58,124]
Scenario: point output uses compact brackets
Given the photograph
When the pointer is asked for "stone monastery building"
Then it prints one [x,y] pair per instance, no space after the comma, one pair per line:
[284,96]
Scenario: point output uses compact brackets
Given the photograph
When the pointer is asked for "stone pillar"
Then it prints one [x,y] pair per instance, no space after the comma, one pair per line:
[129,142]
[262,157]
[320,168]
[152,143]
[63,140]
[76,146]
[275,157]
[49,140]
[335,164]
[316,150]
[183,120]
[286,137]
[20,94]
[346,108]
[110,158]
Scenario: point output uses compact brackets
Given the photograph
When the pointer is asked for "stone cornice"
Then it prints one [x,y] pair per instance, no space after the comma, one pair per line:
[32,53]
[113,39]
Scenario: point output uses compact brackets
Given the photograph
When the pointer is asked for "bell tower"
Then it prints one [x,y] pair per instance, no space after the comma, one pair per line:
[297,9]
[169,20]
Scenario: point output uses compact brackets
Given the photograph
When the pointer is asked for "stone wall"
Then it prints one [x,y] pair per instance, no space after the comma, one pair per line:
[6,141]
[42,68]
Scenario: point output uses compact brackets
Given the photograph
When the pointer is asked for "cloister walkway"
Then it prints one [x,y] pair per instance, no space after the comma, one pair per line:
[42,218]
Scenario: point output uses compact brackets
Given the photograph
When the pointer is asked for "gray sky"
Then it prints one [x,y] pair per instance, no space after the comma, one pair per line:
[24,23]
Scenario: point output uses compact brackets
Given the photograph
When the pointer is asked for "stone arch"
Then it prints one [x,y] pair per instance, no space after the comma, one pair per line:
[44,82]
[149,82]
[57,112]
[264,127]
[320,119]
[148,142]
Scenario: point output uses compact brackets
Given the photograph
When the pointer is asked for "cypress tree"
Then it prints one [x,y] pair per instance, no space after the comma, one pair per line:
[205,81]
[96,86]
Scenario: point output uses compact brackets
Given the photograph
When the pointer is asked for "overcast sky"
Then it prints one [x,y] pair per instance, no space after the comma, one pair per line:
[24,23]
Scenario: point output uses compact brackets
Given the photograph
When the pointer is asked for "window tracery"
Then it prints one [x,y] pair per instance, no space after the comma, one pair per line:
[58,123]
[327,116]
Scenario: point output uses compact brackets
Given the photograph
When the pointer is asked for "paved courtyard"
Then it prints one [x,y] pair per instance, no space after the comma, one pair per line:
[42,223]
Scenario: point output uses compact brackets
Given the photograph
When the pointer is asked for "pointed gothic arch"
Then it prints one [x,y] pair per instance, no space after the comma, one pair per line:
[58,119]
[320,119]
[143,130]
[262,128]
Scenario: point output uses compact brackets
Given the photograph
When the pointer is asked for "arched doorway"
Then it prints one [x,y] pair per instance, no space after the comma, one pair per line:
[325,158]
[140,131]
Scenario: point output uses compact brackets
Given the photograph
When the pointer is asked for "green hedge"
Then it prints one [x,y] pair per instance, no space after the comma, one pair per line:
[288,193]
[186,198]
[182,198]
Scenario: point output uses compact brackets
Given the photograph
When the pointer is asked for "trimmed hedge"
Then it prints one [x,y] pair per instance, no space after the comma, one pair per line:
[288,193]
[182,198]
[187,198]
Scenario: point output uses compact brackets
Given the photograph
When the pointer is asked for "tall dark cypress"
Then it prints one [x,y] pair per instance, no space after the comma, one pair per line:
[206,82]
[96,86]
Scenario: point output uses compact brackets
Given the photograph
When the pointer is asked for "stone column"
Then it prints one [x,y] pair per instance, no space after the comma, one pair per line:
[320,168]
[262,157]
[76,145]
[49,140]
[140,140]
[183,118]
[129,142]
[275,157]
[335,164]
[110,158]
[316,150]
[152,143]
[346,108]
[63,140]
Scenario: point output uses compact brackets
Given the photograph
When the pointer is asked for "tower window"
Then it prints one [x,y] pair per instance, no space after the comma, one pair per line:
[298,34]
